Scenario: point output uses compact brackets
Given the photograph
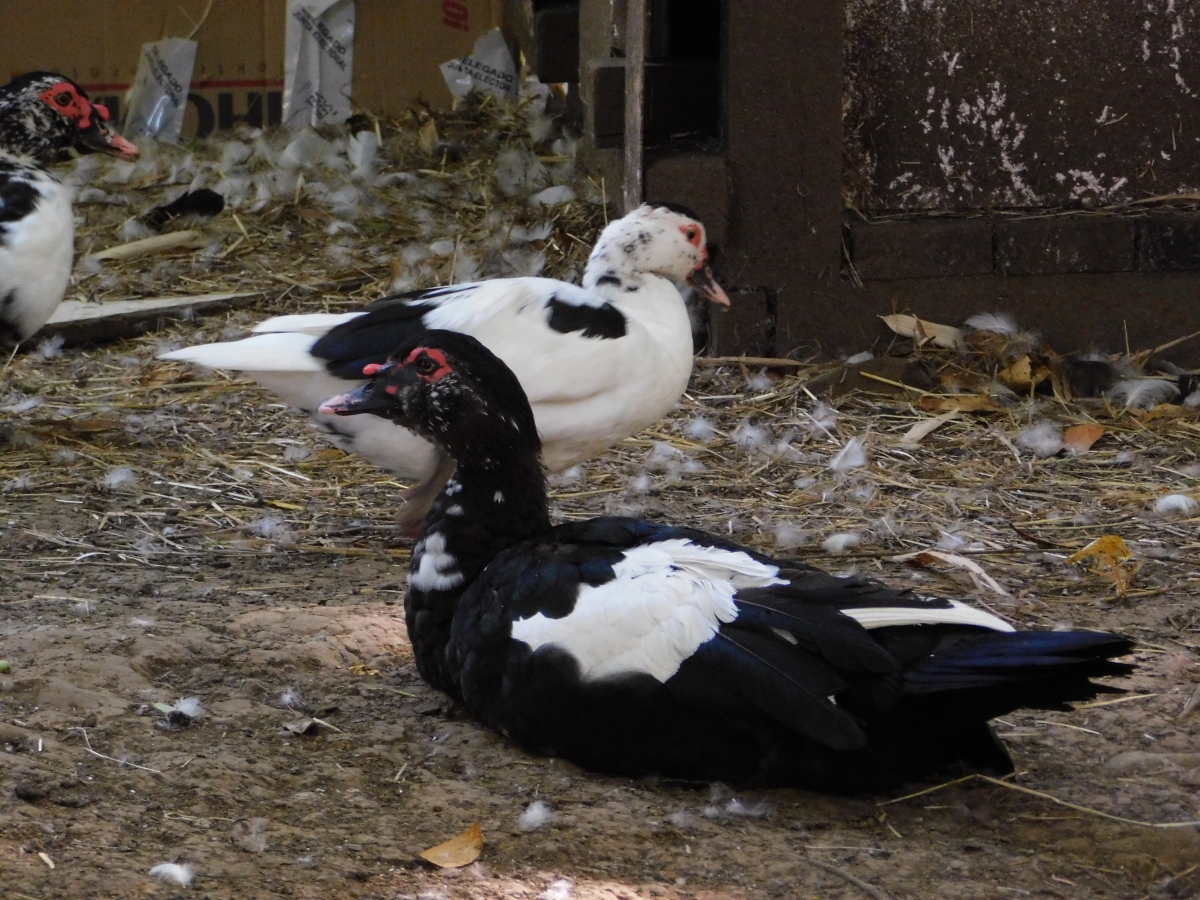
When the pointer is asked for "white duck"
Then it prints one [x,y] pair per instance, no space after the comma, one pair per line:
[42,116]
[598,362]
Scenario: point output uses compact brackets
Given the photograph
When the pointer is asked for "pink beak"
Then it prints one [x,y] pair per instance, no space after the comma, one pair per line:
[703,281]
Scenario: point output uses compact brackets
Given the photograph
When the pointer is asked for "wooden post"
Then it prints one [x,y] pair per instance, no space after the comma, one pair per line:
[635,92]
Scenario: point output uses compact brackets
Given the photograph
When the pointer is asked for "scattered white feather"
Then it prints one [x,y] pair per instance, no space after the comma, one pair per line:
[180,874]
[841,542]
[1042,440]
[292,698]
[820,421]
[25,404]
[142,622]
[234,154]
[536,815]
[87,266]
[662,457]
[1142,393]
[65,457]
[20,483]
[863,492]
[558,890]
[950,541]
[700,429]
[189,706]
[788,535]
[859,358]
[518,172]
[681,819]
[524,263]
[641,484]
[51,347]
[1192,400]
[553,196]
[851,456]
[1176,505]
[444,247]
[296,453]
[133,230]
[272,529]
[996,323]
[304,151]
[119,479]
[361,150]
[539,232]
[750,437]
[760,382]
[736,807]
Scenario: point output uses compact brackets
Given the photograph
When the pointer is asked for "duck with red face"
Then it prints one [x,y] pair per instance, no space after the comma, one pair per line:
[43,116]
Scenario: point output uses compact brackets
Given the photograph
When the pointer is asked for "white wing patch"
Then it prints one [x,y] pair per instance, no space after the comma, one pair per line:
[315,324]
[957,614]
[666,599]
[435,567]
[271,352]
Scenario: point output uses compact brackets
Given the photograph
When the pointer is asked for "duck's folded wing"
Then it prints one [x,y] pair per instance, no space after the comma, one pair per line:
[371,336]
[671,609]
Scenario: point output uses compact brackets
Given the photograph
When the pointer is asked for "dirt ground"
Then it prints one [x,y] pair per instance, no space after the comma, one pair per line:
[168,534]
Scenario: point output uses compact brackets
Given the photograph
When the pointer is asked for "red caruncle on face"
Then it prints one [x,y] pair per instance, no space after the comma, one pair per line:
[429,363]
[65,98]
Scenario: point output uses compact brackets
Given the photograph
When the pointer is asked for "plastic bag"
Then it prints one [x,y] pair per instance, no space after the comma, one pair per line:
[489,67]
[156,102]
[319,62]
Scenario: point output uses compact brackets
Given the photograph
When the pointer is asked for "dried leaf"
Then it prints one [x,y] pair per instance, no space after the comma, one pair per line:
[964,403]
[283,504]
[360,669]
[428,136]
[1111,546]
[1112,561]
[926,427]
[925,332]
[456,852]
[1018,376]
[1061,386]
[981,578]
[1079,438]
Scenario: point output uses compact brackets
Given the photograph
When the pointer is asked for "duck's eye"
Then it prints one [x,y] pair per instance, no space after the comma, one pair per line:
[691,234]
[63,98]
[426,366]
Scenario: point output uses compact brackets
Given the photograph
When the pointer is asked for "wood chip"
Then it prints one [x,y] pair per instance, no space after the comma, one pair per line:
[924,332]
[158,243]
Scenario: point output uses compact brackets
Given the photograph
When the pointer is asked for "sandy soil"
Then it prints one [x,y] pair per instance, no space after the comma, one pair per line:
[114,600]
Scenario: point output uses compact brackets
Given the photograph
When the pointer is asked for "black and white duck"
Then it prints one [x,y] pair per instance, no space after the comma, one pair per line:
[43,115]
[633,647]
[598,361]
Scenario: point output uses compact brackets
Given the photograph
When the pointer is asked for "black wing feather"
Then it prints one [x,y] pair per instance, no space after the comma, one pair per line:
[371,337]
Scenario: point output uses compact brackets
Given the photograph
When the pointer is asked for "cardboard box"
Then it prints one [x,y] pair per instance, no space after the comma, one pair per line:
[398,46]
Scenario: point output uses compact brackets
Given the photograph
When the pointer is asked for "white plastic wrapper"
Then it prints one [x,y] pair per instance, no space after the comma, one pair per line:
[318,62]
[157,100]
[489,67]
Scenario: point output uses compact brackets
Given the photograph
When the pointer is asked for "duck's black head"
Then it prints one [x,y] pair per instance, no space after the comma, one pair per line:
[452,390]
[44,114]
